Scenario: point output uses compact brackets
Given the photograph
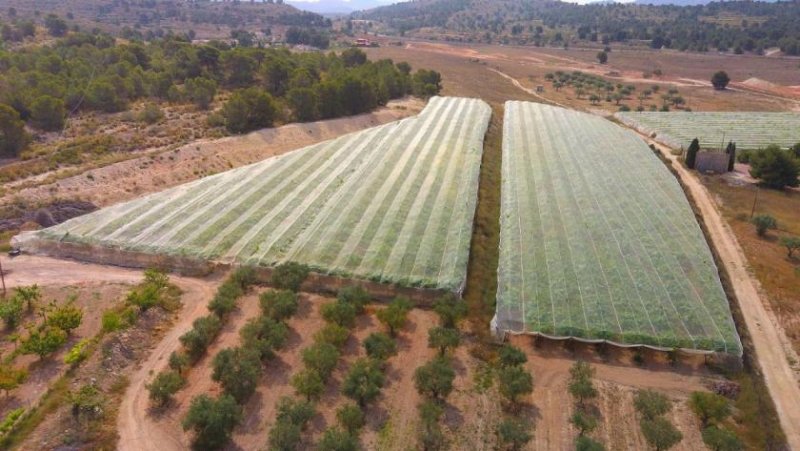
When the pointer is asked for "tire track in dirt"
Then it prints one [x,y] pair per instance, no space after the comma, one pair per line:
[137,429]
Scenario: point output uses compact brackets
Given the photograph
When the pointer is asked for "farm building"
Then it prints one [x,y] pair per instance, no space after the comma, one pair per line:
[598,241]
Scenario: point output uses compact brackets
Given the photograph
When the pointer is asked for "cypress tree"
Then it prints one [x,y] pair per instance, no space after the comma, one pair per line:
[691,154]
[731,151]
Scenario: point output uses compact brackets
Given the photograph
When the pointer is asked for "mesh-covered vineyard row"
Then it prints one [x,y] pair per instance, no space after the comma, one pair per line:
[392,204]
[715,129]
[598,240]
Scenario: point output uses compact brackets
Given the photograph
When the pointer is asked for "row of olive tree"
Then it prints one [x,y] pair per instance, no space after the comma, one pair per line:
[238,369]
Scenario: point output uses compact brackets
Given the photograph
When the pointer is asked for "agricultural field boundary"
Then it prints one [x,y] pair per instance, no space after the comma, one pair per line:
[576,262]
[392,205]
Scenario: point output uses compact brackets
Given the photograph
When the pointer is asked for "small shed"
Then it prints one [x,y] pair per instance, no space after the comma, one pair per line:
[716,162]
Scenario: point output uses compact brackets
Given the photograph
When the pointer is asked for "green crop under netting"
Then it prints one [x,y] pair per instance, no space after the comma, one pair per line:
[393,203]
[749,130]
[598,241]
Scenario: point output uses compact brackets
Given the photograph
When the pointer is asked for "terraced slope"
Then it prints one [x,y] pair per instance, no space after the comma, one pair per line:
[393,204]
[598,241]
[714,129]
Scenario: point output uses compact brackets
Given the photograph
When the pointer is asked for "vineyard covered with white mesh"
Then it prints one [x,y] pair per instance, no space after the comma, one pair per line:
[715,129]
[598,241]
[392,204]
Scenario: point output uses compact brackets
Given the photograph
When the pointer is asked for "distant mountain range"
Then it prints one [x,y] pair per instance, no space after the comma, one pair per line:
[338,6]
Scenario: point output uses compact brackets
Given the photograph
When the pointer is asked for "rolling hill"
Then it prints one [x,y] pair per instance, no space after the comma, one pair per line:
[209,19]
[724,26]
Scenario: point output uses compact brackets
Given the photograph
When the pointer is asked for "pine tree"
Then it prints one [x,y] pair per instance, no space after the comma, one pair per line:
[731,151]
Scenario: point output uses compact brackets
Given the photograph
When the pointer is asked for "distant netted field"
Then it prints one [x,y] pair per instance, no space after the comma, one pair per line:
[749,130]
[391,204]
[598,241]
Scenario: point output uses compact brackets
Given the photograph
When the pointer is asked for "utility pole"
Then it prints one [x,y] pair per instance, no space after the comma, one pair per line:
[755,199]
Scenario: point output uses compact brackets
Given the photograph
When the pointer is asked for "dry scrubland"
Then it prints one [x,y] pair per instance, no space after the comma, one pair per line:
[778,274]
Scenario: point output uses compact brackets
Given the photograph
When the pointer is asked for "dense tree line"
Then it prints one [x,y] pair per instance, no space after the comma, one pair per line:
[694,28]
[43,85]
[148,18]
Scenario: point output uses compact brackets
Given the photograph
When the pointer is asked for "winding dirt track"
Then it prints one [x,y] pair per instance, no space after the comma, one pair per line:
[771,345]
[137,429]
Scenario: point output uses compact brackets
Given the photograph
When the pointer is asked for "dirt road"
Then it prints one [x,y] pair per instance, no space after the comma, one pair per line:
[30,269]
[137,429]
[771,345]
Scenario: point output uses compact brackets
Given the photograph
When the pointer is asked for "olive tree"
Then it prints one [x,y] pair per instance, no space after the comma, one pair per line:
[212,420]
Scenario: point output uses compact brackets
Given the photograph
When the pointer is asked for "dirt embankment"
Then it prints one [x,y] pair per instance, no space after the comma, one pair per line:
[155,171]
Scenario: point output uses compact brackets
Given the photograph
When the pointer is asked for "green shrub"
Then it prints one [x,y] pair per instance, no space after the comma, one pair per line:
[66,317]
[394,316]
[363,382]
[164,385]
[289,276]
[351,418]
[11,311]
[581,386]
[720,439]
[380,346]
[651,404]
[340,313]
[584,443]
[78,353]
[513,382]
[145,296]
[179,362]
[356,296]
[764,223]
[264,335]
[435,378]
[333,334]
[443,339]
[335,439]
[511,356]
[212,420]
[709,407]
[203,332]
[278,305]
[10,420]
[44,342]
[237,370]
[150,114]
[450,310]
[322,358]
[513,433]
[308,383]
[111,321]
[584,422]
[11,378]
[660,433]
